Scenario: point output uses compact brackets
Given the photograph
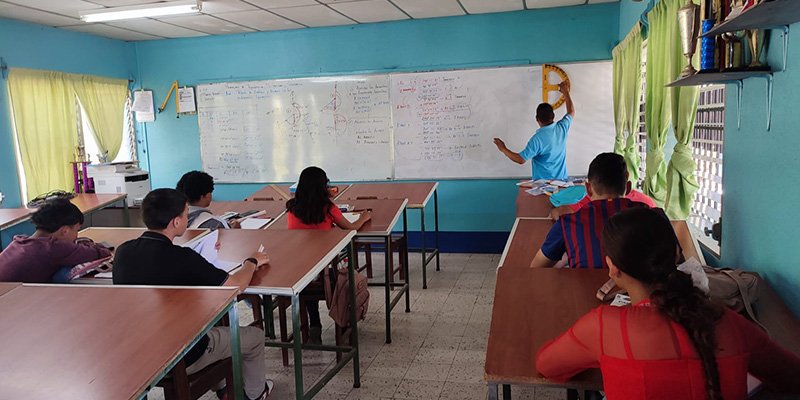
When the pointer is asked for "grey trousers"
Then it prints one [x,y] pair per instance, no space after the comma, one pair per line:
[251,341]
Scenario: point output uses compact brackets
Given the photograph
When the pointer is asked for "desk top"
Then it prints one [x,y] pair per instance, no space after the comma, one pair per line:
[296,257]
[385,214]
[75,342]
[6,287]
[12,216]
[525,240]
[269,193]
[417,193]
[88,202]
[532,206]
[531,307]
[274,209]
[118,236]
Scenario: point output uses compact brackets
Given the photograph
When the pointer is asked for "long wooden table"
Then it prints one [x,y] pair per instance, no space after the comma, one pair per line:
[79,342]
[418,195]
[118,236]
[6,287]
[529,206]
[385,215]
[525,240]
[532,306]
[296,258]
[10,217]
[273,209]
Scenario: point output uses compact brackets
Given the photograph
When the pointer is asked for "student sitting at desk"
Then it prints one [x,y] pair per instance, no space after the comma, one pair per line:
[578,234]
[633,195]
[672,342]
[198,187]
[37,258]
[547,148]
[312,208]
[152,259]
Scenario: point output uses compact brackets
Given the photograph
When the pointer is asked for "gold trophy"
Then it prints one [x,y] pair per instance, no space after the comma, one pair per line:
[756,41]
[688,18]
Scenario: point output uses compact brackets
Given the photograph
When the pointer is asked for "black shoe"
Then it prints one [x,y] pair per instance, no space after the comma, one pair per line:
[315,335]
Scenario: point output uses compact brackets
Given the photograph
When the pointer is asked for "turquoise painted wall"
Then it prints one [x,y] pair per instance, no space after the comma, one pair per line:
[551,35]
[629,13]
[27,45]
[761,171]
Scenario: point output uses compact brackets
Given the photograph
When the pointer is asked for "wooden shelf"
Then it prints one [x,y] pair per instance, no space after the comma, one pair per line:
[767,15]
[716,77]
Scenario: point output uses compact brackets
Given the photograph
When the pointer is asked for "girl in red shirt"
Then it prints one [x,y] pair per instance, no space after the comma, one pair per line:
[312,208]
[672,342]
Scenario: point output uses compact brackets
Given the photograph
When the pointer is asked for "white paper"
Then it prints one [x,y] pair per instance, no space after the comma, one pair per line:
[621,300]
[560,183]
[225,265]
[254,223]
[186,102]
[206,246]
[693,268]
[143,106]
[351,217]
[104,275]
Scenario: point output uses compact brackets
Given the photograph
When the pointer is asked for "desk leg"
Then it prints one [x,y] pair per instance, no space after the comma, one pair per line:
[298,352]
[236,351]
[404,257]
[436,225]
[126,213]
[506,391]
[269,320]
[572,394]
[424,256]
[387,288]
[491,393]
[351,278]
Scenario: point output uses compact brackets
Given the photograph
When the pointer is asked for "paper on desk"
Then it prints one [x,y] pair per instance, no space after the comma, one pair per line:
[207,247]
[104,275]
[351,217]
[254,223]
[560,183]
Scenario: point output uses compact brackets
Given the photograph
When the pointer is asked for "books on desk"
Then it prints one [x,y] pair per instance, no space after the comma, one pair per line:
[254,223]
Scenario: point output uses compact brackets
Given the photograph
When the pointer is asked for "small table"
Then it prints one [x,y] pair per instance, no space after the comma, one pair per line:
[525,240]
[385,215]
[532,306]
[269,193]
[12,216]
[118,236]
[418,195]
[296,258]
[530,206]
[273,209]
[88,203]
[79,342]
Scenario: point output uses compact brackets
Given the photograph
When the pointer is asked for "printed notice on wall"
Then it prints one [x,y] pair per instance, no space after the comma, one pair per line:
[186,102]
[143,106]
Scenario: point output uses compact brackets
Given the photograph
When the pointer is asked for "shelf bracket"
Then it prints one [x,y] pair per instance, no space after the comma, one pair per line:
[785,45]
[739,85]
[769,101]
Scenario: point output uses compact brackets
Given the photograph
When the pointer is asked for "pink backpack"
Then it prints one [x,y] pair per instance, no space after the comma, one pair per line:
[340,305]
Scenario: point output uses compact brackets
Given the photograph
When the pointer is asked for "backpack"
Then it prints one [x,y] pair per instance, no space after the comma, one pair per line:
[340,301]
[736,288]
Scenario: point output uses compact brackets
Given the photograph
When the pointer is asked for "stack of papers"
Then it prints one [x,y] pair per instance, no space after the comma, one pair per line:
[207,247]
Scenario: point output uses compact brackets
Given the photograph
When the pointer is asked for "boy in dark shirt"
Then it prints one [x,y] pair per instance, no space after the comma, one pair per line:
[152,259]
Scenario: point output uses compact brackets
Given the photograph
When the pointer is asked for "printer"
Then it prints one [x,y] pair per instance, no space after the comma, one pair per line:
[120,177]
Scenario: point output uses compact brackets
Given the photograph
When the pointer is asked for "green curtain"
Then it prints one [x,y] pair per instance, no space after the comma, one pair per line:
[627,59]
[673,186]
[103,99]
[43,107]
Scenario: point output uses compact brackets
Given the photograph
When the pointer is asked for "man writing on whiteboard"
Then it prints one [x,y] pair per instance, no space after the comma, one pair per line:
[547,148]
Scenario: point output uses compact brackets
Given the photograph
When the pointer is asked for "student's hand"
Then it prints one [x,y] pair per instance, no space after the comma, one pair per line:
[235,224]
[557,212]
[365,216]
[500,144]
[217,245]
[261,258]
[563,87]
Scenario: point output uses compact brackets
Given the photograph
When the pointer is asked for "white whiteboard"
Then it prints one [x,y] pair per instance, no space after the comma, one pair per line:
[268,131]
[444,122]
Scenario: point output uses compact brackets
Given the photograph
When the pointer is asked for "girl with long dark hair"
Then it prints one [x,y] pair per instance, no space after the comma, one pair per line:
[672,342]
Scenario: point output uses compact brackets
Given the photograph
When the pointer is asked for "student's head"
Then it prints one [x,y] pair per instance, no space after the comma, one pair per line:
[640,247]
[608,177]
[58,218]
[197,186]
[545,114]
[166,210]
[311,199]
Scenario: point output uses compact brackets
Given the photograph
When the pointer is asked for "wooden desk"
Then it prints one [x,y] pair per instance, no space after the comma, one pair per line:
[385,215]
[10,217]
[296,258]
[88,203]
[6,287]
[269,193]
[273,209]
[524,242]
[532,206]
[78,342]
[418,195]
[118,236]
[531,307]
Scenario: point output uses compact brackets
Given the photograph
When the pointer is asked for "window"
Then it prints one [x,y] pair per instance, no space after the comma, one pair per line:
[87,142]
[707,142]
[641,138]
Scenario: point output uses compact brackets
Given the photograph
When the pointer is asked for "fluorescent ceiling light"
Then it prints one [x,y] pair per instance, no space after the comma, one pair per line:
[143,11]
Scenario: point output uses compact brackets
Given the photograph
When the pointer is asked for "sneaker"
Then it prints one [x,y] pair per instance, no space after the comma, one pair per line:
[315,335]
[268,386]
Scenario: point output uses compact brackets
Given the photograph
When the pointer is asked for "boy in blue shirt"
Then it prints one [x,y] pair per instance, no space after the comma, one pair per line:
[547,148]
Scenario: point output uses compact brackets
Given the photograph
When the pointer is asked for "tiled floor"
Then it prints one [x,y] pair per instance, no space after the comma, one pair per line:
[437,350]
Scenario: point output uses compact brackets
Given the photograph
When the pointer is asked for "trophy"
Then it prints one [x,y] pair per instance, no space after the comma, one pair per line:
[687,25]
[733,50]
[756,42]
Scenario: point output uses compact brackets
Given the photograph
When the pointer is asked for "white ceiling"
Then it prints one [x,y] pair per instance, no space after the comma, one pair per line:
[220,17]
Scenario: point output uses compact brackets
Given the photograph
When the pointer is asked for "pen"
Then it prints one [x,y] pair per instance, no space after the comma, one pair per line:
[366,209]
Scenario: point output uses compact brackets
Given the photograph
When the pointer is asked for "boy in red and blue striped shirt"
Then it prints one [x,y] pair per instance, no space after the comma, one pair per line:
[579,234]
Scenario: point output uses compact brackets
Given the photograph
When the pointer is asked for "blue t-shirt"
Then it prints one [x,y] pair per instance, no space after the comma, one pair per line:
[547,149]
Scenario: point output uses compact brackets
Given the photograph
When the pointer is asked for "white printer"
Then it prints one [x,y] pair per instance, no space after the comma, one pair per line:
[121,177]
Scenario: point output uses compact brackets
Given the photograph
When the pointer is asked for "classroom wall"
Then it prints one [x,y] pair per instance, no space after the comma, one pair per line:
[26,45]
[535,36]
